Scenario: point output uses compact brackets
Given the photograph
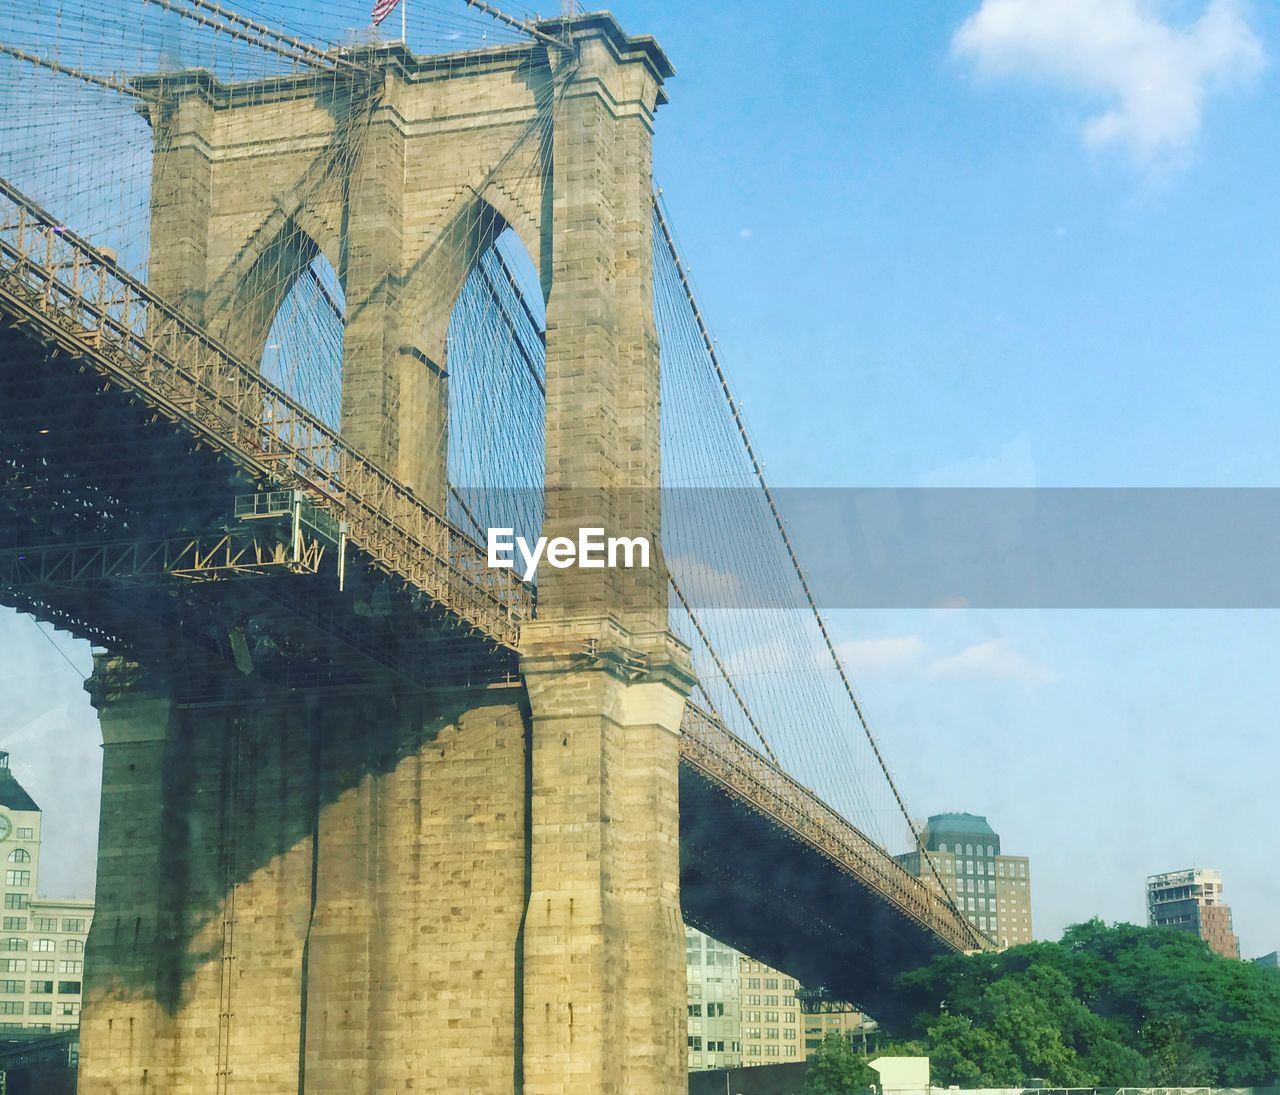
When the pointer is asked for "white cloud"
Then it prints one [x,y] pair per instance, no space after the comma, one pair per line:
[994,658]
[882,655]
[1152,74]
[706,586]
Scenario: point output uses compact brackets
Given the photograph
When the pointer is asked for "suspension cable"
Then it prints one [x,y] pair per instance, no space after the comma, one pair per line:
[320,56]
[109,82]
[720,666]
[329,64]
[519,24]
[758,470]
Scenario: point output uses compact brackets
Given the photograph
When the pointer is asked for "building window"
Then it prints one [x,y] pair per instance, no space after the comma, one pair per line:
[42,988]
[714,1010]
[45,945]
[771,1051]
[76,925]
[15,923]
[788,982]
[13,987]
[68,988]
[41,965]
[13,965]
[14,945]
[753,1051]
[16,901]
[17,878]
[45,923]
[10,1007]
[771,1033]
[41,1007]
[19,855]
[791,1051]
[695,1042]
[74,946]
[71,966]
[968,849]
[26,834]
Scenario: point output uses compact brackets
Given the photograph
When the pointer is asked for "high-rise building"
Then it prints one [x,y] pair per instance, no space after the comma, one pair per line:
[714,1006]
[991,889]
[1191,900]
[41,939]
[742,1012]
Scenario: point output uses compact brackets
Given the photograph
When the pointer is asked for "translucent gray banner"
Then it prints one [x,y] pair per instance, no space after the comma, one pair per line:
[934,548]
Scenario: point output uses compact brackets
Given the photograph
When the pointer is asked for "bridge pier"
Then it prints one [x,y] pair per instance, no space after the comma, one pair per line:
[315,898]
[604,976]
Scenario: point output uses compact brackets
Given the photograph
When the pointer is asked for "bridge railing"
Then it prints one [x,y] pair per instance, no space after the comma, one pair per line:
[100,311]
[713,749]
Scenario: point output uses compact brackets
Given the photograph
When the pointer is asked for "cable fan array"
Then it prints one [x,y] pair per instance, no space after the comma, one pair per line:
[75,133]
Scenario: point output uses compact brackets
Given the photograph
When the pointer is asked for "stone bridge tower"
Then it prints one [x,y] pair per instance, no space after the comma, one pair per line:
[471,889]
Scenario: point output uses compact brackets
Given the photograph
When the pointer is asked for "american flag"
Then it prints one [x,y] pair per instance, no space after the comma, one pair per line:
[383,8]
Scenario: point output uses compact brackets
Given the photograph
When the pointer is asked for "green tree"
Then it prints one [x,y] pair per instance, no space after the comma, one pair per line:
[1112,1005]
[835,1069]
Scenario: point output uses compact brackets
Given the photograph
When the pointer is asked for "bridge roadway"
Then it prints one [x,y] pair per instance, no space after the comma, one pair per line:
[153,487]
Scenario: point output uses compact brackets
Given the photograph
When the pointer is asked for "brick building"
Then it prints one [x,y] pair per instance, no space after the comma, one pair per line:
[1191,900]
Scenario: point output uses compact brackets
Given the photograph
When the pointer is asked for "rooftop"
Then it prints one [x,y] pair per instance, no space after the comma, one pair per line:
[12,793]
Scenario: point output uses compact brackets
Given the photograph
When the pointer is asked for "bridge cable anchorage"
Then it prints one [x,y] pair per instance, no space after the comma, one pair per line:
[519,24]
[111,83]
[329,64]
[721,667]
[758,469]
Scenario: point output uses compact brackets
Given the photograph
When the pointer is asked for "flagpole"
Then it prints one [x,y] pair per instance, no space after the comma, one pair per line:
[404,36]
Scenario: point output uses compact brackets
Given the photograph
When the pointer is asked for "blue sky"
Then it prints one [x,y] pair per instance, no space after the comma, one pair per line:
[1037,252]
[923,271]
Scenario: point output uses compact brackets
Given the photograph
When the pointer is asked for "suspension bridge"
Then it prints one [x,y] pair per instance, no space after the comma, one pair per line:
[291,316]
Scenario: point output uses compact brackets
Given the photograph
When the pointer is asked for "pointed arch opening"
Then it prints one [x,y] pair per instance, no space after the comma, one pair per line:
[304,345]
[496,354]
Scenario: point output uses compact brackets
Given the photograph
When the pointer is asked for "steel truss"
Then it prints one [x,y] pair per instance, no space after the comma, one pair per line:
[75,298]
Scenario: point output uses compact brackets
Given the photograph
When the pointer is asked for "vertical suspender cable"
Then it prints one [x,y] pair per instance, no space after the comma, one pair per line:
[710,346]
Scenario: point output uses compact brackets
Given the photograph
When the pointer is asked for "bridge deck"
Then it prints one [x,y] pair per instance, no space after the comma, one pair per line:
[767,867]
